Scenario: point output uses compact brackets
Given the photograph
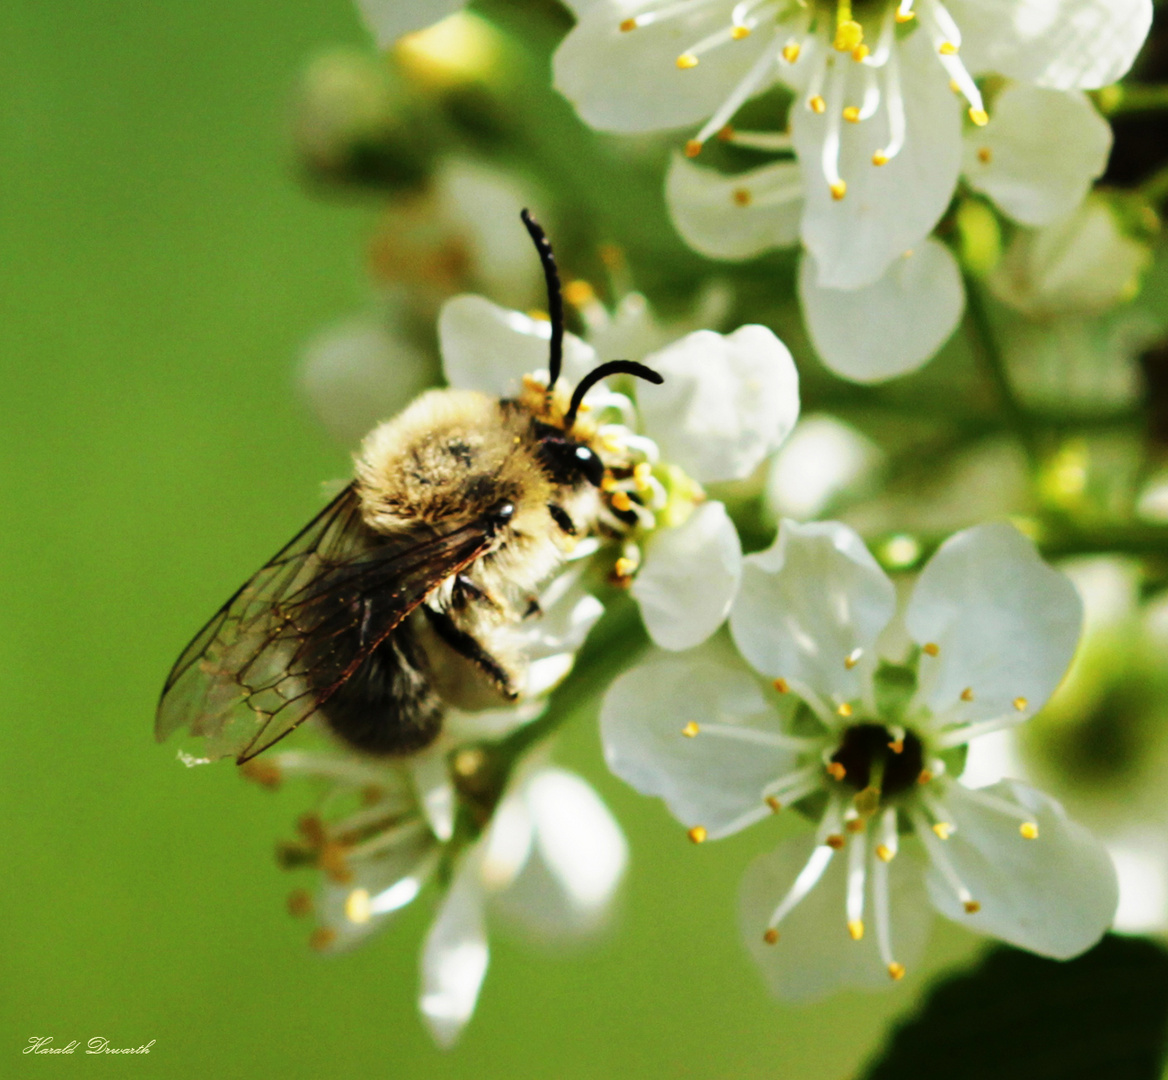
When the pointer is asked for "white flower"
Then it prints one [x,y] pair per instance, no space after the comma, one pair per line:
[876,130]
[727,402]
[872,749]
[549,858]
[389,20]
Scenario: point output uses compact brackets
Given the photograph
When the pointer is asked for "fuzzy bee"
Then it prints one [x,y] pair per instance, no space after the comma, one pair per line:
[394,600]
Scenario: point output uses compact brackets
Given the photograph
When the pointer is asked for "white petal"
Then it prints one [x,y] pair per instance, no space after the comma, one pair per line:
[488,348]
[727,401]
[577,861]
[888,209]
[688,579]
[735,216]
[1039,156]
[815,955]
[455,955]
[708,780]
[823,458]
[892,326]
[1141,865]
[808,602]
[1005,623]
[630,81]
[1062,44]
[389,20]
[435,791]
[361,371]
[1055,895]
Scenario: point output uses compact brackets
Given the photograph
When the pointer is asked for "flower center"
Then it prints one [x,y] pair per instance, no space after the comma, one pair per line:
[872,755]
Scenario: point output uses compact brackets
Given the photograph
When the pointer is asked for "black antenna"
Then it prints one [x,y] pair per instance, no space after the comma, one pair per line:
[555,298]
[613,367]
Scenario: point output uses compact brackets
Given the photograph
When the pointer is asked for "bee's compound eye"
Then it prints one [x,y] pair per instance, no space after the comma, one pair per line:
[502,513]
[590,465]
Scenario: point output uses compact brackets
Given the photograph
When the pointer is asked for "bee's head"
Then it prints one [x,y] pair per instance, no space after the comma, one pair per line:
[570,459]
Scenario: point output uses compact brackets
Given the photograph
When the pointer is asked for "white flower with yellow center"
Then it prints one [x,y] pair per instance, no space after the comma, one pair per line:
[876,128]
[726,403]
[872,749]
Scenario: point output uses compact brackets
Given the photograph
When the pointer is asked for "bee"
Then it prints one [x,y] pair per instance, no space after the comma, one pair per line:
[392,603]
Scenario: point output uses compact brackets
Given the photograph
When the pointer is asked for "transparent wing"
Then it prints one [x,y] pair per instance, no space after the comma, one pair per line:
[293,634]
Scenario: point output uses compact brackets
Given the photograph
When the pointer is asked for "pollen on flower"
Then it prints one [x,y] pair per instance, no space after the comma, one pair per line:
[691,729]
[1020,704]
[848,35]
[686,61]
[924,777]
[879,158]
[641,474]
[884,853]
[299,903]
[357,908]
[967,694]
[931,648]
[835,841]
[741,196]
[972,907]
[333,862]
[321,938]
[725,133]
[856,929]
[816,104]
[627,25]
[979,117]
[579,292]
[860,53]
[625,567]
[739,32]
[896,746]
[697,834]
[774,803]
[853,658]
[947,48]
[844,710]
[836,771]
[621,501]
[852,114]
[838,190]
[781,685]
[791,51]
[771,937]
[943,830]
[896,971]
[985,155]
[693,147]
[1029,830]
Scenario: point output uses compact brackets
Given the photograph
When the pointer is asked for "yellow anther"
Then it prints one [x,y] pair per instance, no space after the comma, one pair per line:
[693,147]
[539,316]
[579,292]
[967,694]
[774,803]
[624,567]
[781,685]
[905,16]
[880,158]
[853,658]
[860,53]
[836,771]
[947,48]
[854,825]
[852,114]
[264,773]
[333,862]
[299,903]
[690,729]
[771,937]
[312,829]
[627,25]
[469,762]
[1020,704]
[848,35]
[979,117]
[856,929]
[924,776]
[931,648]
[1029,830]
[697,834]
[791,52]
[985,155]
[641,474]
[321,938]
[816,104]
[741,196]
[740,32]
[686,61]
[357,906]
[835,841]
[725,133]
[884,853]
[972,907]
[838,190]
[896,971]
[896,746]
[844,710]
[621,501]
[943,830]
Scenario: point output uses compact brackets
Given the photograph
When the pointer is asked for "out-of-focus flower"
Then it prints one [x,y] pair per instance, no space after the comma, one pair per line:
[727,402]
[872,748]
[389,20]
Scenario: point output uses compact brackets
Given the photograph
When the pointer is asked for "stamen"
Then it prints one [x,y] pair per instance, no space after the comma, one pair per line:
[1000,806]
[848,32]
[836,771]
[897,123]
[962,735]
[790,52]
[697,834]
[690,729]
[946,36]
[742,733]
[937,853]
[357,906]
[769,141]
[853,658]
[752,816]
[884,43]
[904,11]
[1029,830]
[857,864]
[831,141]
[668,12]
[771,937]
[871,102]
[844,710]
[691,57]
[792,787]
[896,971]
[889,837]
[1020,704]
[931,648]
[882,911]
[746,88]
[773,803]
[781,685]
[806,880]
[985,155]
[967,694]
[387,838]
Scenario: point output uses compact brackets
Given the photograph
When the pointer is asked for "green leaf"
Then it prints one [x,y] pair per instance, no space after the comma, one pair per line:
[1103,1016]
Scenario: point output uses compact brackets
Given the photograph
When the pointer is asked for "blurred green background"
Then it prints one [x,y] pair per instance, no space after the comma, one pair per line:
[161,268]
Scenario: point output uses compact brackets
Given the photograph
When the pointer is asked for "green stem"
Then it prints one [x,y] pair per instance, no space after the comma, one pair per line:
[1120,100]
[1155,188]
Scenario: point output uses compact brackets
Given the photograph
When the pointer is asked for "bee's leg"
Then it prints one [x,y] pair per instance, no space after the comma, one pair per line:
[467,645]
[465,590]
